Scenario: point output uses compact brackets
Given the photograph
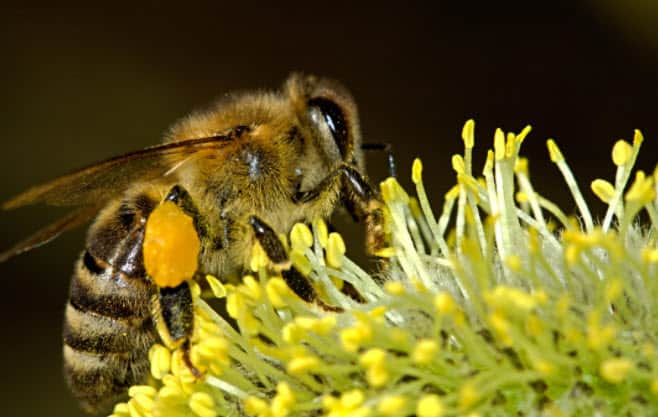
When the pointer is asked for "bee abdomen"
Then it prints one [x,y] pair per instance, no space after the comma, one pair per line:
[108,328]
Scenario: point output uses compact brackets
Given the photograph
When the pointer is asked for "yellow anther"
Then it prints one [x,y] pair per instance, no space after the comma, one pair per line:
[470,183]
[544,367]
[292,333]
[468,396]
[255,406]
[372,357]
[335,250]
[429,405]
[135,410]
[521,166]
[251,288]
[214,348]
[452,193]
[501,326]
[352,399]
[234,303]
[301,262]
[303,364]
[377,312]
[387,252]
[377,376]
[425,351]
[171,246]
[145,390]
[160,359]
[444,303]
[510,145]
[505,297]
[514,263]
[143,403]
[598,336]
[374,360]
[621,152]
[524,133]
[458,164]
[202,404]
[283,400]
[322,232]
[301,237]
[392,405]
[522,197]
[468,135]
[615,370]
[603,190]
[417,171]
[638,138]
[499,145]
[120,410]
[218,289]
[277,290]
[554,151]
[650,255]
[259,258]
[642,190]
[394,287]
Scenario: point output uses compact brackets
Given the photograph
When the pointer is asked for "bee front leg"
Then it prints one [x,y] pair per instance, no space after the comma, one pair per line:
[275,250]
[366,206]
[359,199]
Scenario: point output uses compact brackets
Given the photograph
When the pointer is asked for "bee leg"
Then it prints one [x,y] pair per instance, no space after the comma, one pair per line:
[365,206]
[360,200]
[174,316]
[275,250]
[179,196]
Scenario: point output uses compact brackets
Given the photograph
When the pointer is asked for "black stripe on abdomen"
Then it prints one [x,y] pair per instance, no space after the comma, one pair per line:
[92,264]
[99,288]
[89,332]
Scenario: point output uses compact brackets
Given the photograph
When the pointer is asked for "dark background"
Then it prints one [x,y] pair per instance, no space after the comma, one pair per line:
[80,85]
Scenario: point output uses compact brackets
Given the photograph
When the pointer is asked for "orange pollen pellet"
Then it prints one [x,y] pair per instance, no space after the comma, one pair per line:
[171,246]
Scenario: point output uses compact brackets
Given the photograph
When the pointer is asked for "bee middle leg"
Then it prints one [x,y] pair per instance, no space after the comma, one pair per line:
[275,250]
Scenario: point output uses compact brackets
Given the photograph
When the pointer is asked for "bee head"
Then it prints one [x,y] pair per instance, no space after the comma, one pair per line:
[328,112]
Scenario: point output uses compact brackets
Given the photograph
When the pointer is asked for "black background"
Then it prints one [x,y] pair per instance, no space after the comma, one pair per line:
[83,84]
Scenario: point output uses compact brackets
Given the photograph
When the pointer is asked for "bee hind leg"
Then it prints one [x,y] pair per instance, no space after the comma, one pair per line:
[174,317]
[276,252]
[179,196]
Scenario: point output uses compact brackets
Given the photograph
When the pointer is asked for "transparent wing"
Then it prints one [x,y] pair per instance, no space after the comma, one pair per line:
[50,232]
[100,182]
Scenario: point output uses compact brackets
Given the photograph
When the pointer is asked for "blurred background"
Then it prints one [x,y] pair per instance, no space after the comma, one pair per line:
[82,84]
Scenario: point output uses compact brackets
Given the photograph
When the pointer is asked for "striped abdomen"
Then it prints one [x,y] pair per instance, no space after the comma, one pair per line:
[108,328]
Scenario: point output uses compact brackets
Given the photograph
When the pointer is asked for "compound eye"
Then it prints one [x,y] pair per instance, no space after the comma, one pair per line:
[334,120]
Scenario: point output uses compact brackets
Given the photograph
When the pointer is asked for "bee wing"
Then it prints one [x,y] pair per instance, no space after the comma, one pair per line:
[100,182]
[50,232]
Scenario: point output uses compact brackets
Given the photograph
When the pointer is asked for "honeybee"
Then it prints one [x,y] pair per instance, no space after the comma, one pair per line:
[244,170]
